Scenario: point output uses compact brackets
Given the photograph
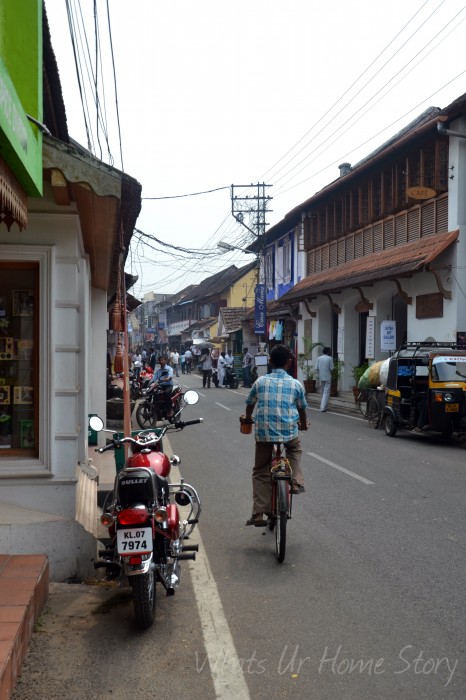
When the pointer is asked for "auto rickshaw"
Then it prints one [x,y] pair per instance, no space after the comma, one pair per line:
[426,389]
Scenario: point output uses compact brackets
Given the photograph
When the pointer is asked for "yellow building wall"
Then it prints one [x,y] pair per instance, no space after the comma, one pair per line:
[243,288]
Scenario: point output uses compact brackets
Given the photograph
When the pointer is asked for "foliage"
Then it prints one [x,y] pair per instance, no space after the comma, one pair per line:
[337,369]
[306,366]
[358,371]
[304,358]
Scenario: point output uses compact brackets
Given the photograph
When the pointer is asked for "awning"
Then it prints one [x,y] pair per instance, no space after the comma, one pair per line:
[387,264]
[13,199]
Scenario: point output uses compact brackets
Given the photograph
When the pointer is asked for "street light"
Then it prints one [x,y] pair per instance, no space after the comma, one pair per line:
[228,246]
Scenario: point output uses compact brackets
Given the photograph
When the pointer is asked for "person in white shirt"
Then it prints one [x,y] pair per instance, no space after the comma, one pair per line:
[188,356]
[324,366]
[221,362]
[137,363]
[175,361]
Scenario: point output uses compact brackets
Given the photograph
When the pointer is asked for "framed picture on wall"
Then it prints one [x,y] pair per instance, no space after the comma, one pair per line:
[22,394]
[4,395]
[23,302]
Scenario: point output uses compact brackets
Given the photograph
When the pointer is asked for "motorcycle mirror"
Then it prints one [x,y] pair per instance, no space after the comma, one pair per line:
[191,397]
[96,423]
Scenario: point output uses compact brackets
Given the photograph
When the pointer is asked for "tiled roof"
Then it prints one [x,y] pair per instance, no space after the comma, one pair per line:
[200,325]
[232,317]
[217,283]
[386,264]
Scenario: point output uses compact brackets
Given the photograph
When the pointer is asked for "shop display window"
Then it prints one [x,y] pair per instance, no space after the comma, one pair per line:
[18,358]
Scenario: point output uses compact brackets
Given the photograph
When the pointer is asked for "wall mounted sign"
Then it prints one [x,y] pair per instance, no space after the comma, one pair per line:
[388,336]
[429,305]
[420,192]
[370,337]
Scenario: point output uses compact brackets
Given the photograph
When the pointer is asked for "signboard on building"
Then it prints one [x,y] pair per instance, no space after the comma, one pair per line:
[370,338]
[260,310]
[388,336]
[420,192]
[429,305]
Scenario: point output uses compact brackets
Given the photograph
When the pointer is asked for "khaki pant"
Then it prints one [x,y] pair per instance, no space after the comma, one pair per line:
[261,481]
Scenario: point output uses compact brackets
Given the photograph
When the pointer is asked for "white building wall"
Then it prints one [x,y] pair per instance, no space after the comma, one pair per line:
[48,484]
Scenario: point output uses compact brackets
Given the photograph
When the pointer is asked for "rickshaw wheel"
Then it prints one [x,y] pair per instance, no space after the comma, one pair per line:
[390,425]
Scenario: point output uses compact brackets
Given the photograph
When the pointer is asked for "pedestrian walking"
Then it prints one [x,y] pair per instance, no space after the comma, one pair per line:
[188,357]
[206,362]
[221,362]
[175,361]
[247,367]
[324,366]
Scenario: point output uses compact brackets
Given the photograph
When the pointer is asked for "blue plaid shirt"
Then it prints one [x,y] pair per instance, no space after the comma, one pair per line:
[278,397]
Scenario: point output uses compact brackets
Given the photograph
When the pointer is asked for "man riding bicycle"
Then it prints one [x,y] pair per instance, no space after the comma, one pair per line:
[281,411]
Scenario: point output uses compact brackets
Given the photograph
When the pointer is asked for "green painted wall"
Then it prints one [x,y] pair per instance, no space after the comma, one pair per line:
[21,90]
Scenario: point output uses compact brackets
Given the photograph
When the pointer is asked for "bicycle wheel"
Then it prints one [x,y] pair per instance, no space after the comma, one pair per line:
[281,512]
[373,413]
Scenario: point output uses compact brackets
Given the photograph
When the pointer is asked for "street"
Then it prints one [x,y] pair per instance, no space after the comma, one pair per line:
[369,602]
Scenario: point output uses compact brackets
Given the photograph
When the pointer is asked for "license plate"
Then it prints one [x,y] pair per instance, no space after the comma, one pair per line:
[452,407]
[134,541]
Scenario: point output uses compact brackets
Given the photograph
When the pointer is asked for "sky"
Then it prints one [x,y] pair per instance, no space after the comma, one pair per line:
[195,96]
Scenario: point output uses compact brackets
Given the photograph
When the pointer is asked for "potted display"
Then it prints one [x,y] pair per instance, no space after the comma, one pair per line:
[308,369]
[336,373]
[306,366]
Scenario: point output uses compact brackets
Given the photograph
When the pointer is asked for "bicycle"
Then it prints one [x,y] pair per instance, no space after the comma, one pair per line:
[280,473]
[369,407]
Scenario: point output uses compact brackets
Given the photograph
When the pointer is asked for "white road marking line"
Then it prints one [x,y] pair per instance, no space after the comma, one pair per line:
[341,469]
[222,406]
[335,413]
[225,665]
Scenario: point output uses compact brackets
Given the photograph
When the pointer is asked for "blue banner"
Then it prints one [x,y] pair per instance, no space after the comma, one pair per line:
[260,310]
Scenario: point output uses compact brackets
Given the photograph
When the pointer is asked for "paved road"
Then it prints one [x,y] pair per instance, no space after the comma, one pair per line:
[369,602]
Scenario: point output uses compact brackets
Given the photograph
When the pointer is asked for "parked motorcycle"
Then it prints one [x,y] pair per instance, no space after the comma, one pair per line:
[154,408]
[146,530]
[138,381]
[230,378]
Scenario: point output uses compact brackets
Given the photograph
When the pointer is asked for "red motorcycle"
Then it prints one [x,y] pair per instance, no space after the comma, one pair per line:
[146,529]
[154,407]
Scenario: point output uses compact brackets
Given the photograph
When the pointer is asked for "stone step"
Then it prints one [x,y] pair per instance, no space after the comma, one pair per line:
[343,403]
[24,584]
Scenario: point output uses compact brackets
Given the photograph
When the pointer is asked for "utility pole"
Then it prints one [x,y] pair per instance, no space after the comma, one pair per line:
[250,211]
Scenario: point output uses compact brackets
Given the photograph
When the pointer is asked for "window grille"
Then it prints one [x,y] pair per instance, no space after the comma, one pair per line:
[349,245]
[400,229]
[413,224]
[318,260]
[333,261]
[358,249]
[388,234]
[377,236]
[341,251]
[442,215]
[367,241]
[325,255]
[428,219]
